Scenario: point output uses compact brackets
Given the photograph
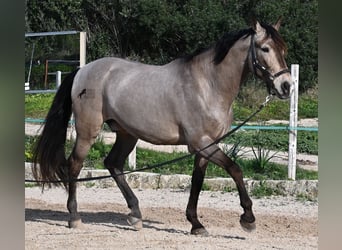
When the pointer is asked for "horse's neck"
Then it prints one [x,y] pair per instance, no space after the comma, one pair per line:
[232,71]
[226,77]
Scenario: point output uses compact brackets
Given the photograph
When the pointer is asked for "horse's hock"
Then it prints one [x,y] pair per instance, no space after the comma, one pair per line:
[143,180]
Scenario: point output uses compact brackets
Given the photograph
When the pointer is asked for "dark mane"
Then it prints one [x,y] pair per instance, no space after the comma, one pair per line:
[224,44]
[189,57]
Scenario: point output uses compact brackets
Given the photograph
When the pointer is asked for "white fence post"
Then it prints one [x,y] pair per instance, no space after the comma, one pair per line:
[27,86]
[83,44]
[83,49]
[293,123]
[58,79]
[132,159]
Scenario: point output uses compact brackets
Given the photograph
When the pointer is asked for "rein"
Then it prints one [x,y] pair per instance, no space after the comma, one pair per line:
[267,74]
[268,98]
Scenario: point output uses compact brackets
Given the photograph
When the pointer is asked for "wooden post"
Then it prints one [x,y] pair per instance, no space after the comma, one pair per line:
[293,123]
[83,45]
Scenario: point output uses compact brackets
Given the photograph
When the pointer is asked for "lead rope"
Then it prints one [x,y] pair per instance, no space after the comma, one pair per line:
[267,100]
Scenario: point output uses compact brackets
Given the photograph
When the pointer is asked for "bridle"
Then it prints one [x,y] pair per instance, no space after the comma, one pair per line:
[267,75]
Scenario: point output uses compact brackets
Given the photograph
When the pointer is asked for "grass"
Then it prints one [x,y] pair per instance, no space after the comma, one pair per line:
[30,185]
[37,105]
[307,141]
[250,168]
[263,190]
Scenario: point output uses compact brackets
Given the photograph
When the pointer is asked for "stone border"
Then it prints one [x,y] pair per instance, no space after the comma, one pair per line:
[144,180]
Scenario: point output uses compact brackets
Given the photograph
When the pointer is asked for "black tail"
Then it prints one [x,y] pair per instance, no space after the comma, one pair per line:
[49,161]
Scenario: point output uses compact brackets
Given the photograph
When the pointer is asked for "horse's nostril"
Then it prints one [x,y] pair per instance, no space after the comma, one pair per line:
[286,87]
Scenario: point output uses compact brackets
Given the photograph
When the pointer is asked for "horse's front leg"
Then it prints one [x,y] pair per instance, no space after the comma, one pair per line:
[198,174]
[215,155]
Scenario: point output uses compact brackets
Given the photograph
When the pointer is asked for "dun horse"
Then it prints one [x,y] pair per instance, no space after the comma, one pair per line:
[187,101]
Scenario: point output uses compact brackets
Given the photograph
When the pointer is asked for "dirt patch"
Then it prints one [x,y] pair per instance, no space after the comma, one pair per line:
[282,222]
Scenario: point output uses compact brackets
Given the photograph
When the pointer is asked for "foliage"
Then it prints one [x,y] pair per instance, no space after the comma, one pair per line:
[37,105]
[148,157]
[307,141]
[263,190]
[262,156]
[235,151]
[253,94]
[307,107]
[37,77]
[156,31]
[97,154]
[29,143]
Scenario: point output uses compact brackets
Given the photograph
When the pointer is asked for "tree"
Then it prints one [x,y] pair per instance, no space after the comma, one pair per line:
[157,31]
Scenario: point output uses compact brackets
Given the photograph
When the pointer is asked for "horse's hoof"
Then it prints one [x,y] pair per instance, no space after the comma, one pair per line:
[76,224]
[200,231]
[248,227]
[135,222]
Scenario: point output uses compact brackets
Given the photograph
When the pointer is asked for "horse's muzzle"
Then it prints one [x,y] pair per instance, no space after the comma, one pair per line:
[286,88]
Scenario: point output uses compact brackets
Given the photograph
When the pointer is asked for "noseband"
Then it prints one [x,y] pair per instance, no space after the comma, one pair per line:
[269,78]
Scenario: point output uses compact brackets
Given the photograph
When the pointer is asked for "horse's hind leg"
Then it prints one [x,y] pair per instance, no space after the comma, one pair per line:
[76,159]
[196,185]
[114,162]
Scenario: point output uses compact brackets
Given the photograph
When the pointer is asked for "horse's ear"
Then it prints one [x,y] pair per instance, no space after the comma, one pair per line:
[254,23]
[277,25]
[259,30]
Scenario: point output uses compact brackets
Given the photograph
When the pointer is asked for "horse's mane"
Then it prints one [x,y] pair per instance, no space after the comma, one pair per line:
[224,44]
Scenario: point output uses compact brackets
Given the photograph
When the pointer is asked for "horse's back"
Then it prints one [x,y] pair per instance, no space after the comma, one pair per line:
[160,104]
[140,98]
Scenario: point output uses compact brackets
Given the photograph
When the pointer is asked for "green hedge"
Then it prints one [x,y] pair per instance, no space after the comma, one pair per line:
[157,31]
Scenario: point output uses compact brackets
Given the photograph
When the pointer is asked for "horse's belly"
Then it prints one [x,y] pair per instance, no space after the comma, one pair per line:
[159,136]
[161,132]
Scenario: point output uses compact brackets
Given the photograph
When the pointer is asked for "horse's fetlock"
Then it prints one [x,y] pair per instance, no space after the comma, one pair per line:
[246,204]
[190,215]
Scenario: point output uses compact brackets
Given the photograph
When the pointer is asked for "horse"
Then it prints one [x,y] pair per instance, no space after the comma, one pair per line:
[187,101]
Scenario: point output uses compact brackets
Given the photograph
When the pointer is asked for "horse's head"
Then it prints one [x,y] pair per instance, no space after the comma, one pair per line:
[266,57]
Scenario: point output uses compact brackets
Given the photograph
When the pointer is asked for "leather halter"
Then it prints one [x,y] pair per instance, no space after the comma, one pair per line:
[269,78]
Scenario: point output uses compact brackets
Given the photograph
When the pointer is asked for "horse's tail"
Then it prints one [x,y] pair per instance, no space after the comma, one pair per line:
[49,161]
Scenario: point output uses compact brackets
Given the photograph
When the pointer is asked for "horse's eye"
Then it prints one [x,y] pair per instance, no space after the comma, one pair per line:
[265,49]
